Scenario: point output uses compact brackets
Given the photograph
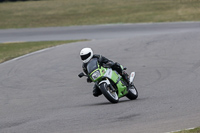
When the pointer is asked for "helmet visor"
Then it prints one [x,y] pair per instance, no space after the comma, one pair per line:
[84,57]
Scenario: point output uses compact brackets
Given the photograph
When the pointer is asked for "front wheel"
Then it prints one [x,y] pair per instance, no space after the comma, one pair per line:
[108,93]
[133,93]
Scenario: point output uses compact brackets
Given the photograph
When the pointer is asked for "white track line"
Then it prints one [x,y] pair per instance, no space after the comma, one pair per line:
[26,55]
[181,130]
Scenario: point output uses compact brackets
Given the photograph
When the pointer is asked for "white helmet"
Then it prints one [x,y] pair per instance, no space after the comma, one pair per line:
[86,54]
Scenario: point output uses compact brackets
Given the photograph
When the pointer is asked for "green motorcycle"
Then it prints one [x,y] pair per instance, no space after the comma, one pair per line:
[111,84]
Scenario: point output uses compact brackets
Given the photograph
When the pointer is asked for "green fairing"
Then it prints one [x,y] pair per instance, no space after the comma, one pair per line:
[122,89]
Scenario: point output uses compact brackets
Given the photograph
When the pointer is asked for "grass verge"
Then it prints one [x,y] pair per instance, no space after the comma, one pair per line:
[195,130]
[12,50]
[48,13]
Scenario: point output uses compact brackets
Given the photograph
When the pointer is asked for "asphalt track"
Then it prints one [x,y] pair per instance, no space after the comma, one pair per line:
[41,92]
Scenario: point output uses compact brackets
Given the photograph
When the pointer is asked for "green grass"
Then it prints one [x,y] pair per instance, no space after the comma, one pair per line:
[196,130]
[47,13]
[11,50]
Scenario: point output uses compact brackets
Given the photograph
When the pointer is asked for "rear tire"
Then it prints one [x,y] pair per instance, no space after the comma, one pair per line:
[107,92]
[133,93]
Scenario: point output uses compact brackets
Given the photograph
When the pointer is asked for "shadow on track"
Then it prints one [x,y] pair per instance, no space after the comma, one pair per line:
[108,103]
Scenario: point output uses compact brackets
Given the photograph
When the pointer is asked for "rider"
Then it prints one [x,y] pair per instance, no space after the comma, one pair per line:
[86,55]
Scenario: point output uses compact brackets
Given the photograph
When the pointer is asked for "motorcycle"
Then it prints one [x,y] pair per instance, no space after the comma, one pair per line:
[110,82]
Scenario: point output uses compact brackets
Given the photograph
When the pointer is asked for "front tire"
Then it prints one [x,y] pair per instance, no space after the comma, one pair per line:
[133,93]
[108,93]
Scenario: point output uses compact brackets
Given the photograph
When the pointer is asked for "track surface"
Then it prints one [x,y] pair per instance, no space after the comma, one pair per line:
[41,93]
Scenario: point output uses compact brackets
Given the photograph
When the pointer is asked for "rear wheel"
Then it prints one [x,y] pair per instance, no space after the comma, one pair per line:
[133,93]
[109,93]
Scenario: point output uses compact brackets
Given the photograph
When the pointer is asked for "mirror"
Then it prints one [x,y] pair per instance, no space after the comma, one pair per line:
[81,75]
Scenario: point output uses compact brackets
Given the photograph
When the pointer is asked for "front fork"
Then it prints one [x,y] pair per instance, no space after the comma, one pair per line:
[108,84]
[122,89]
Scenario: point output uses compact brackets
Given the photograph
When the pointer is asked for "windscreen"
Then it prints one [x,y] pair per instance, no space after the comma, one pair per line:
[92,65]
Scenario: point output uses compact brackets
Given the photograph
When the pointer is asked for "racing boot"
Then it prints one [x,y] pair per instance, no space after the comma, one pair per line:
[96,91]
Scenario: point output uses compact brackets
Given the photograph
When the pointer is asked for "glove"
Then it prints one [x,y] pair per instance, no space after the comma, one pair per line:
[117,64]
[108,65]
[89,80]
